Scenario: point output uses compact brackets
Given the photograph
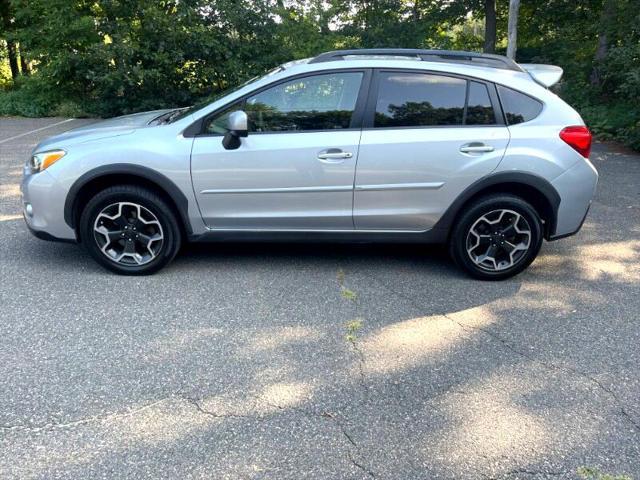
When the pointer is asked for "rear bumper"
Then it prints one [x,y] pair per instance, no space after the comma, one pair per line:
[565,235]
[576,187]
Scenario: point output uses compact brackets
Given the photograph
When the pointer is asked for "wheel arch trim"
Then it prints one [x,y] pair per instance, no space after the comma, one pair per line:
[544,187]
[174,194]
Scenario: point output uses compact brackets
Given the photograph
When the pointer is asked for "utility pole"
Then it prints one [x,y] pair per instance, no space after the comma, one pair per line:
[512,29]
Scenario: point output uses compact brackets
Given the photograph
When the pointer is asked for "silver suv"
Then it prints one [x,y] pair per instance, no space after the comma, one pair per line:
[365,145]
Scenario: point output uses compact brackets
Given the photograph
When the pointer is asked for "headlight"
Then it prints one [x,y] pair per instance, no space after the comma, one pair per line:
[42,161]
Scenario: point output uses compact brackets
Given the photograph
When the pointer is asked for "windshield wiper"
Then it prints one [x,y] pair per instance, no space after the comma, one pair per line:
[167,117]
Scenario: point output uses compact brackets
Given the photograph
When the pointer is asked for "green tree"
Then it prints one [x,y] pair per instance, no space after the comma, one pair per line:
[108,57]
[6,22]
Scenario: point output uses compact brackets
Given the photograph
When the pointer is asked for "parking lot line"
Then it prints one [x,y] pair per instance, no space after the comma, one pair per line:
[36,130]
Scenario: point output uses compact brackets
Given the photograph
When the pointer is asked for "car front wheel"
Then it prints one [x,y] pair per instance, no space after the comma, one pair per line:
[497,237]
[130,230]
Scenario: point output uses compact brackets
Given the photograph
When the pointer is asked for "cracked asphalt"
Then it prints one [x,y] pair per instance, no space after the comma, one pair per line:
[320,361]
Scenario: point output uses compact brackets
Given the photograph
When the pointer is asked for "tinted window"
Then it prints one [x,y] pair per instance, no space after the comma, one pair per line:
[418,99]
[517,106]
[320,102]
[479,109]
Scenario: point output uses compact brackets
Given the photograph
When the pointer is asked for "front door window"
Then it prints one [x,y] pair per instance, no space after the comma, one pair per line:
[319,102]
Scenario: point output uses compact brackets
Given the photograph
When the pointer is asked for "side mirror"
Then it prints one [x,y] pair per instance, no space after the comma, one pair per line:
[237,124]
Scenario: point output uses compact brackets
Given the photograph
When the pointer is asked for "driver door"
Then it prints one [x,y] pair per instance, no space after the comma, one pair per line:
[296,168]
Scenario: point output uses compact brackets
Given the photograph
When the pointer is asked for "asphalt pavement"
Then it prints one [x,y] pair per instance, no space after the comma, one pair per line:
[249,361]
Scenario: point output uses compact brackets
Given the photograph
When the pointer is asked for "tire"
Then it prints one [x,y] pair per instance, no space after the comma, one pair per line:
[497,237]
[130,230]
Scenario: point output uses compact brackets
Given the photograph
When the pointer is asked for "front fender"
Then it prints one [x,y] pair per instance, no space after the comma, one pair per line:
[126,170]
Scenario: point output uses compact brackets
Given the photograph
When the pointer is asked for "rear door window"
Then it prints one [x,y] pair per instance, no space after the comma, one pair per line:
[518,107]
[419,99]
[416,99]
[479,108]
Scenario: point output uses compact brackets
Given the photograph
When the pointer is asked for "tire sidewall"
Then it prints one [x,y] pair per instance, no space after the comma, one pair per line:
[482,207]
[149,201]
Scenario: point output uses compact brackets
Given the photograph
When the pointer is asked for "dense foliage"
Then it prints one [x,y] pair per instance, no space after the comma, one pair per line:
[107,57]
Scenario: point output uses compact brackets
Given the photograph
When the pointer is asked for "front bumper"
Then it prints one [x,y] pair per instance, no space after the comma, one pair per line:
[576,187]
[45,216]
[47,236]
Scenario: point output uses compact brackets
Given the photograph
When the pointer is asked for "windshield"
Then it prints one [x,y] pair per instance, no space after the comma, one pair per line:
[218,95]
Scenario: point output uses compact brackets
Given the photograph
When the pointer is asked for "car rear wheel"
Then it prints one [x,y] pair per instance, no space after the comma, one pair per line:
[497,237]
[130,230]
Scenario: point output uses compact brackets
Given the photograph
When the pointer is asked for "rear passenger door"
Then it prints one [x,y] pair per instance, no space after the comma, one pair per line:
[427,137]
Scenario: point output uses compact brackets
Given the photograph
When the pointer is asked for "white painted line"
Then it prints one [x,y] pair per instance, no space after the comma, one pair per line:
[36,130]
[8,218]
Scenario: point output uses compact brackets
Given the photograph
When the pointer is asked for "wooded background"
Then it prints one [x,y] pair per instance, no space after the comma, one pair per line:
[108,57]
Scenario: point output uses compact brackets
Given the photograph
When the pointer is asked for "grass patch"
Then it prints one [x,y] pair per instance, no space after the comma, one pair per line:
[344,291]
[353,327]
[589,473]
[349,294]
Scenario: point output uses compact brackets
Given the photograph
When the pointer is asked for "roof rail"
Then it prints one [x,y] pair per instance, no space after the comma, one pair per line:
[448,56]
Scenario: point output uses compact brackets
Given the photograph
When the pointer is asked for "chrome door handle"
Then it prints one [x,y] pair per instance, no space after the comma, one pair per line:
[476,148]
[334,154]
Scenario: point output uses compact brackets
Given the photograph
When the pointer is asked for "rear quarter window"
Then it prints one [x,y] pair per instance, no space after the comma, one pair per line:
[518,107]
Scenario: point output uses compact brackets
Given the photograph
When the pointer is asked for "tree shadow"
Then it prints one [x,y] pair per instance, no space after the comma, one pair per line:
[242,364]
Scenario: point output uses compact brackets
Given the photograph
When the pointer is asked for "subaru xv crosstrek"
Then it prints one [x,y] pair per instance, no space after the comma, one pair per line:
[382,145]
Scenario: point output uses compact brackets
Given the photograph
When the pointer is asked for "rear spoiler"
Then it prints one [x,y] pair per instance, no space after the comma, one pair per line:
[545,75]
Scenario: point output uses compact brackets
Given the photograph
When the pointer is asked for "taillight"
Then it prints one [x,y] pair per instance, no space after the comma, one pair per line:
[578,138]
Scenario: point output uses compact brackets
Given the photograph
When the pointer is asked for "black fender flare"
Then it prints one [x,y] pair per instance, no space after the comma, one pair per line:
[544,187]
[175,194]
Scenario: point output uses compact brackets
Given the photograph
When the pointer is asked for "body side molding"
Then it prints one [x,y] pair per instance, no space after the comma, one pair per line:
[399,186]
[332,188]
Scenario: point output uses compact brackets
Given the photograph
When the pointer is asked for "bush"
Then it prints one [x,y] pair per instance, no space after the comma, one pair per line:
[21,103]
[35,97]
[69,109]
[619,122]
[608,108]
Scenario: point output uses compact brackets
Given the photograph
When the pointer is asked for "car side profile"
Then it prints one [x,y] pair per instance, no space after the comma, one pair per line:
[380,145]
